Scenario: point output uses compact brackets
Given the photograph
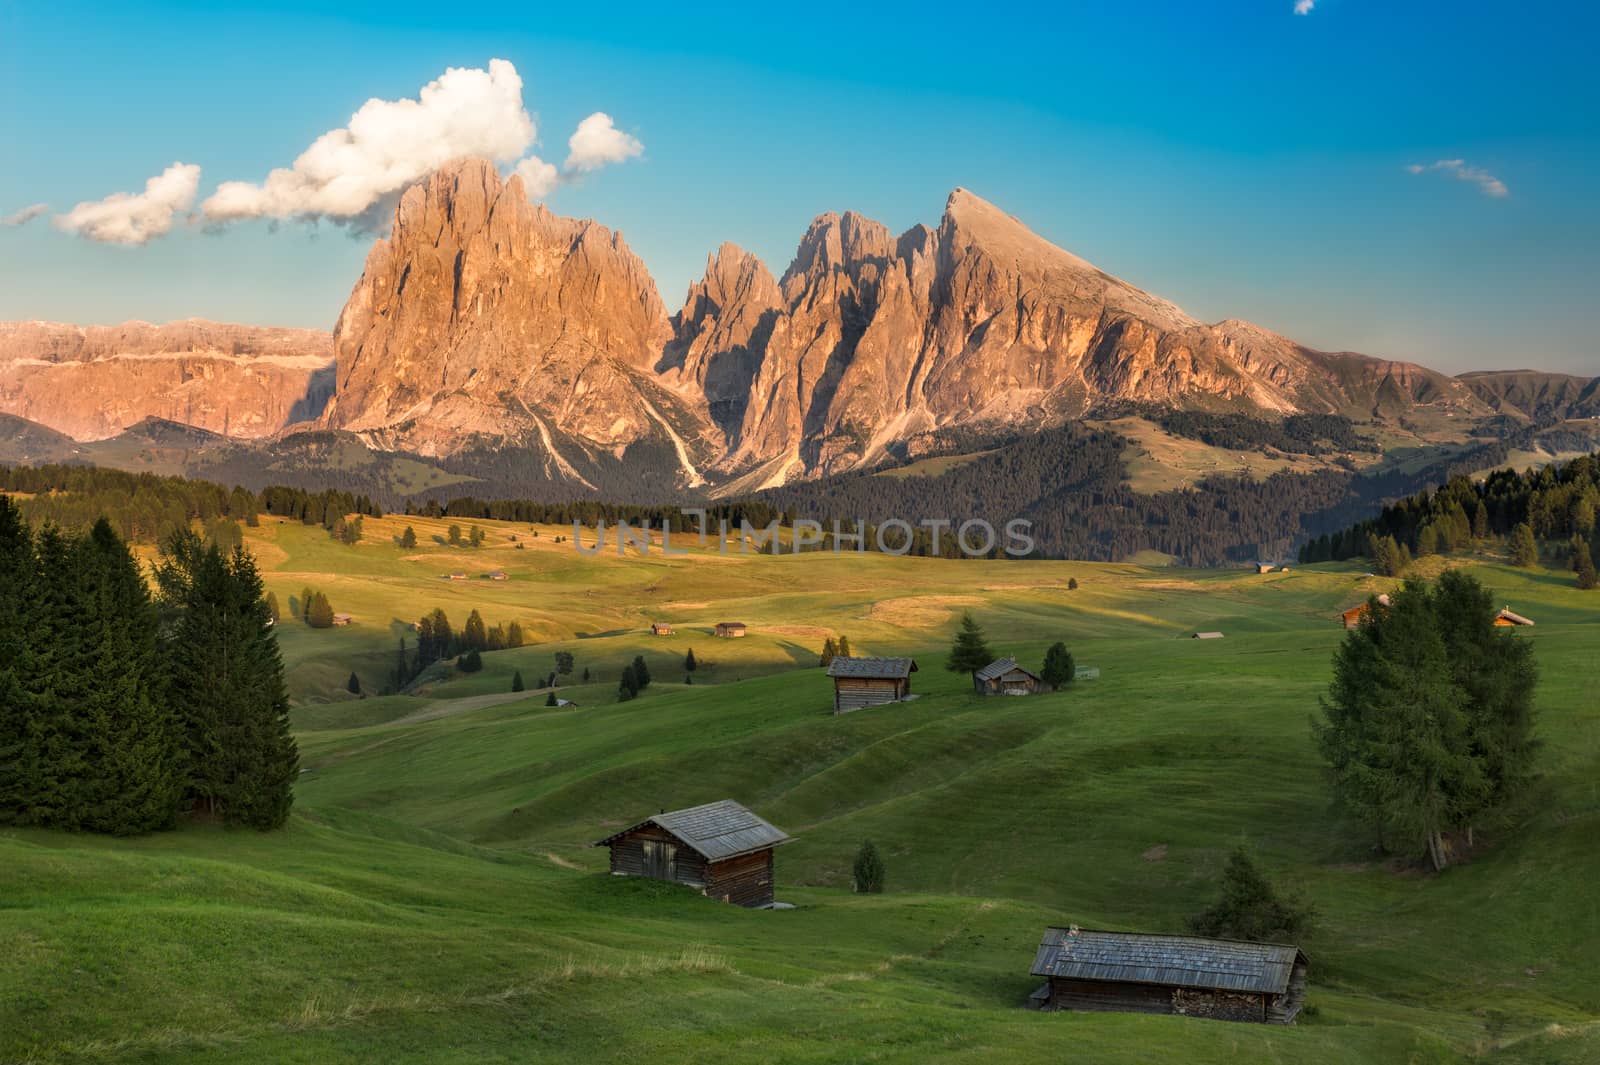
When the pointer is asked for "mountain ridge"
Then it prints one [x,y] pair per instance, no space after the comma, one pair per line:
[486,322]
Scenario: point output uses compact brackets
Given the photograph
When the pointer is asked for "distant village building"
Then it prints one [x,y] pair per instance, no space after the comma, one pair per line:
[721,849]
[863,682]
[1004,677]
[342,619]
[660,628]
[457,576]
[1220,979]
[1207,636]
[1353,617]
[730,629]
[1264,567]
[496,575]
[1506,619]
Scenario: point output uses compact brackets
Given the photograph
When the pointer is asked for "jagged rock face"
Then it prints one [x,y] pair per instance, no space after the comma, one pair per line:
[982,323]
[93,382]
[485,318]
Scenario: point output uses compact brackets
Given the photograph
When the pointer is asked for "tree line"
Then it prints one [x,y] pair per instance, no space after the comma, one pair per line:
[1546,511]
[120,710]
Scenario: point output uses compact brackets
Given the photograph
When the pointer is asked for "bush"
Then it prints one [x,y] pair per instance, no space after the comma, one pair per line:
[1058,669]
[1249,907]
[516,681]
[470,662]
[868,870]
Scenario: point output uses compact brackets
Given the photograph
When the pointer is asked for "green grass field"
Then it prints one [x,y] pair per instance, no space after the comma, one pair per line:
[435,897]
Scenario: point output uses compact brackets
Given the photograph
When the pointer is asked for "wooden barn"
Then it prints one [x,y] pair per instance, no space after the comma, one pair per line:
[342,619]
[720,849]
[1353,617]
[862,682]
[1206,636]
[1220,979]
[1506,619]
[660,628]
[1264,567]
[497,575]
[730,629]
[1004,677]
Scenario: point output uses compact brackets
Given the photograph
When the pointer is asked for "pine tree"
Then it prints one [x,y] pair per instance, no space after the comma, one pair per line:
[586,674]
[225,683]
[1583,564]
[970,652]
[59,726]
[454,535]
[844,647]
[471,662]
[272,607]
[320,613]
[689,663]
[1250,909]
[475,538]
[564,663]
[132,746]
[19,741]
[353,685]
[830,650]
[514,636]
[867,872]
[551,700]
[402,666]
[641,672]
[474,637]
[305,604]
[628,686]
[516,681]
[1058,669]
[408,539]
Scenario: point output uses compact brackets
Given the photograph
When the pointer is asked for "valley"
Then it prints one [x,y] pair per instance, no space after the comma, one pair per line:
[435,897]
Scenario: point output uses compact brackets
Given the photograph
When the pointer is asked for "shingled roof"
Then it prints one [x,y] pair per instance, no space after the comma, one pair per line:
[1169,961]
[1000,667]
[716,830]
[887,668]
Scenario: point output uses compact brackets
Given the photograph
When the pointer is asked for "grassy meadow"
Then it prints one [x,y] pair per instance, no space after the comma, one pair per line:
[436,899]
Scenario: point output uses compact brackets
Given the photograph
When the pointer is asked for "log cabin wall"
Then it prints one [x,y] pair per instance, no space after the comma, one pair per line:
[744,881]
[628,858]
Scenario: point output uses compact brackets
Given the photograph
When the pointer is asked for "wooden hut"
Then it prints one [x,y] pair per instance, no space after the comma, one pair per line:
[660,628]
[1206,636]
[862,682]
[720,849]
[1004,677]
[1221,979]
[1506,619]
[497,575]
[1264,567]
[730,629]
[342,619]
[1353,617]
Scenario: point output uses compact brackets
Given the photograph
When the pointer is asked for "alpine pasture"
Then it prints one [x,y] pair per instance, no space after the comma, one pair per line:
[435,897]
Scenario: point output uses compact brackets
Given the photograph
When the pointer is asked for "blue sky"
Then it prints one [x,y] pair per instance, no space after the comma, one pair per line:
[1236,157]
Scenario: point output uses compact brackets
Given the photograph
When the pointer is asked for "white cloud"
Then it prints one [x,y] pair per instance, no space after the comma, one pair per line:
[355,173]
[387,145]
[1303,7]
[136,217]
[539,178]
[596,142]
[26,215]
[1487,183]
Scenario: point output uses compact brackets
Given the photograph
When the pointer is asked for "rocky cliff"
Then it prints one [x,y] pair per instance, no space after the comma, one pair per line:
[484,320]
[484,323]
[93,382]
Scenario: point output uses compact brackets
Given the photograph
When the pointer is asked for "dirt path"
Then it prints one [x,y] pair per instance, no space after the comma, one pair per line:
[452,707]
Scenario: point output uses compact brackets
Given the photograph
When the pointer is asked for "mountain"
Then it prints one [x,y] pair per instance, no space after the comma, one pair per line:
[485,320]
[93,382]
[499,341]
[1536,395]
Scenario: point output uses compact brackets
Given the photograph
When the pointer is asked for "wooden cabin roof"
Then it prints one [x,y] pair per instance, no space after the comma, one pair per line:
[1515,619]
[1361,608]
[1208,636]
[1170,961]
[716,831]
[872,668]
[1000,667]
